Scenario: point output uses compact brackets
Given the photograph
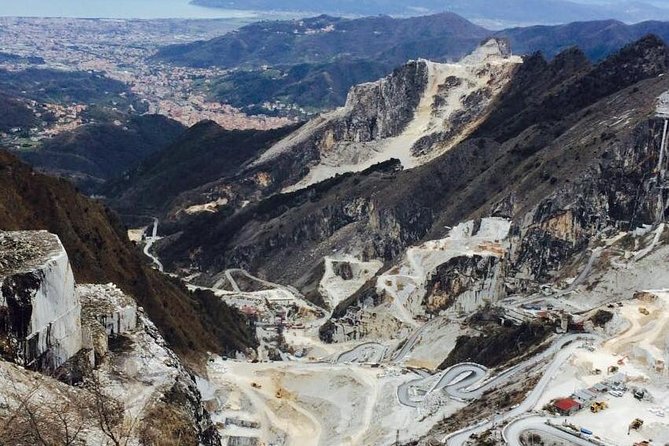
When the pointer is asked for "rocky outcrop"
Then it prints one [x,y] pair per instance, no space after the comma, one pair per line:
[106,312]
[171,406]
[49,325]
[421,110]
[373,111]
[618,193]
[469,282]
[384,108]
[40,324]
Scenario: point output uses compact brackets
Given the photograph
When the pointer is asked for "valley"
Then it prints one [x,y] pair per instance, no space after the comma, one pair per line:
[410,326]
[471,249]
[290,401]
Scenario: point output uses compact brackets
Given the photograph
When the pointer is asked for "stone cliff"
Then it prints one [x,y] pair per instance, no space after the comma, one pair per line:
[94,336]
[40,323]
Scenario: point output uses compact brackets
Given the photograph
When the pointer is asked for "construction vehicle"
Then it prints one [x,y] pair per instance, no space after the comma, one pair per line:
[598,406]
[635,425]
[644,311]
[256,385]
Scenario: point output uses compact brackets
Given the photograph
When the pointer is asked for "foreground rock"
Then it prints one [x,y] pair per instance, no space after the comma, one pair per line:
[130,386]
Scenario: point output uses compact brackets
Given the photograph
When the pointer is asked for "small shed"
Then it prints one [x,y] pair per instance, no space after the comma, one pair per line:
[601,387]
[566,406]
[584,395]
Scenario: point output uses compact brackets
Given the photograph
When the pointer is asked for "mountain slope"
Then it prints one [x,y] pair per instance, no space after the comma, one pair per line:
[204,153]
[320,39]
[314,87]
[14,114]
[93,153]
[378,212]
[100,253]
[58,87]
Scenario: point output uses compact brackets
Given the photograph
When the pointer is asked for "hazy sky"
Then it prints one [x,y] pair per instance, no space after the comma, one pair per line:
[145,9]
[660,3]
[165,8]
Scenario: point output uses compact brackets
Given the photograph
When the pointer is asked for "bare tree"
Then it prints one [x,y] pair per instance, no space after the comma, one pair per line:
[108,413]
[34,421]
[32,418]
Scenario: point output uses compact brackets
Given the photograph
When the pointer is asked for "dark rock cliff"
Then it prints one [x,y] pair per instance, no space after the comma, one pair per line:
[554,155]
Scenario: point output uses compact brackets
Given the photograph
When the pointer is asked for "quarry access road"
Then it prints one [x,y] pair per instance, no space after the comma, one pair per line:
[149,243]
[562,355]
[372,351]
[412,339]
[459,380]
[515,429]
[295,293]
[584,274]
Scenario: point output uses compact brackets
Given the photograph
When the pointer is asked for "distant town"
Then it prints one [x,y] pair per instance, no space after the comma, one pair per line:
[121,50]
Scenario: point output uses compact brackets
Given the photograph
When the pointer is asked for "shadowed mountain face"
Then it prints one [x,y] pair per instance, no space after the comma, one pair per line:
[203,154]
[93,153]
[100,252]
[552,137]
[14,114]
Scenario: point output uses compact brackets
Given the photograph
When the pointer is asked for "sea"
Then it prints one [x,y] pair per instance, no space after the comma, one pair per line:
[116,9]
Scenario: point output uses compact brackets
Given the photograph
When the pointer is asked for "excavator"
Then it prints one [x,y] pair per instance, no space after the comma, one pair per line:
[598,406]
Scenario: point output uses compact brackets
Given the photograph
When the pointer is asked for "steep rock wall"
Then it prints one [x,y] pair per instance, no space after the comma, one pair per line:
[40,320]
[466,282]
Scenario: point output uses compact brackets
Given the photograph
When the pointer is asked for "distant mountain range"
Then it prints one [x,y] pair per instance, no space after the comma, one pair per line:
[597,39]
[311,63]
[490,13]
[323,38]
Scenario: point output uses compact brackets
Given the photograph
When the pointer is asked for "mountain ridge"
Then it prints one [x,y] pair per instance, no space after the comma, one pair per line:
[317,222]
[515,11]
[312,70]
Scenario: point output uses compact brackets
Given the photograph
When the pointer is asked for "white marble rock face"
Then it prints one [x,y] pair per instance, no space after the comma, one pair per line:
[108,306]
[40,313]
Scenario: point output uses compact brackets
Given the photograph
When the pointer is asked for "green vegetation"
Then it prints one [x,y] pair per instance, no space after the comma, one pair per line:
[313,87]
[66,87]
